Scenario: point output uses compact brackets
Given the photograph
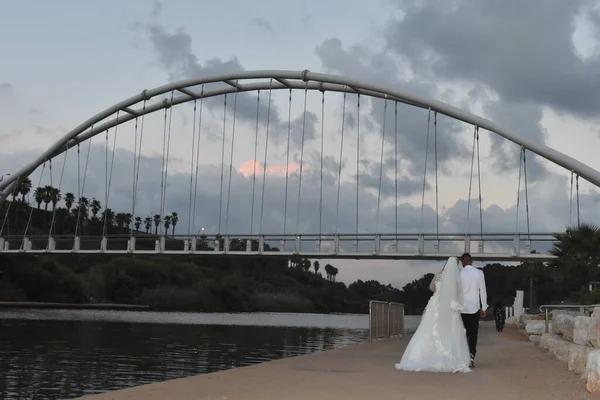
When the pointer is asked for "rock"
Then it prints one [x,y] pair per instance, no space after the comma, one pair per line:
[534,327]
[581,332]
[594,329]
[563,324]
[560,349]
[525,317]
[593,371]
[535,339]
[512,321]
[546,339]
[577,358]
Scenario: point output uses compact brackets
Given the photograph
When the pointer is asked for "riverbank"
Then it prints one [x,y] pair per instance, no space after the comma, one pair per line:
[70,306]
[509,367]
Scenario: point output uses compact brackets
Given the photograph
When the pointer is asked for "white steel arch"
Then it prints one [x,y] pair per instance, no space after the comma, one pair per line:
[277,80]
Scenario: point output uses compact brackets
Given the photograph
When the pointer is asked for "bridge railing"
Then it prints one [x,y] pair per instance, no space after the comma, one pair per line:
[487,246]
[386,320]
[586,309]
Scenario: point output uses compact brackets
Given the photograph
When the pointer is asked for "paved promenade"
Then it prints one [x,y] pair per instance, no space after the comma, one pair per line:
[508,367]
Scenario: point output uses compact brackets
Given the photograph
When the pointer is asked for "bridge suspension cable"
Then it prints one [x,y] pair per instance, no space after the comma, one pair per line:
[321,168]
[264,182]
[287,166]
[577,191]
[381,163]
[23,242]
[192,161]
[55,197]
[301,161]
[254,161]
[523,173]
[81,183]
[222,162]
[235,97]
[165,166]
[339,183]
[137,154]
[425,168]
[108,178]
[396,174]
[357,162]
[475,153]
[197,160]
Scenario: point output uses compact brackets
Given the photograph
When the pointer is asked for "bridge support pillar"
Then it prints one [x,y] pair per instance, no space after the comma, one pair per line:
[77,243]
[421,244]
[225,244]
[377,244]
[186,245]
[2,242]
[163,241]
[261,244]
[528,246]
[336,244]
[157,246]
[298,245]
[26,244]
[193,245]
[249,245]
[217,245]
[318,245]
[131,244]
[51,244]
[480,246]
[282,244]
[517,245]
[104,244]
[467,248]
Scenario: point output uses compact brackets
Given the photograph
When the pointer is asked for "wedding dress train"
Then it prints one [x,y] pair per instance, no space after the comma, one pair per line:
[440,342]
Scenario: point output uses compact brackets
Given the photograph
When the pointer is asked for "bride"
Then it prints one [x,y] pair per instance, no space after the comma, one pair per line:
[440,342]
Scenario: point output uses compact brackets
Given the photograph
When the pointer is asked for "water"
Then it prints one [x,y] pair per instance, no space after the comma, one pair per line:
[58,354]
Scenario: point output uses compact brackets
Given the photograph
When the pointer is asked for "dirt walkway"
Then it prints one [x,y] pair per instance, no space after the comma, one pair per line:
[508,367]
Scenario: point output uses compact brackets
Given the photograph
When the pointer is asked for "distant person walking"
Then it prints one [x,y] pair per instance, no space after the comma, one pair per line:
[500,316]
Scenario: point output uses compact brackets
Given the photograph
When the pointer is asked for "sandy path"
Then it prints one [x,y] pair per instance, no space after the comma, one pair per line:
[508,367]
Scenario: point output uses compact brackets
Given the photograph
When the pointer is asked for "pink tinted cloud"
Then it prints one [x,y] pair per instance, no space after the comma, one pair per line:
[247,168]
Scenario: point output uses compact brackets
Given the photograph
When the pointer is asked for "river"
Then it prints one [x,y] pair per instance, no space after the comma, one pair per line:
[61,354]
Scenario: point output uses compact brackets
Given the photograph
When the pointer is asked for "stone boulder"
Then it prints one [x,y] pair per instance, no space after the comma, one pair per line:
[563,324]
[546,339]
[534,327]
[581,331]
[594,329]
[593,371]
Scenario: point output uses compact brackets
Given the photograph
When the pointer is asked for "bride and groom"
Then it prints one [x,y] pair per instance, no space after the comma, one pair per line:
[446,339]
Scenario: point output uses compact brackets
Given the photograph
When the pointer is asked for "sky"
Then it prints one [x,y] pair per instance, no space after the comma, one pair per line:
[530,68]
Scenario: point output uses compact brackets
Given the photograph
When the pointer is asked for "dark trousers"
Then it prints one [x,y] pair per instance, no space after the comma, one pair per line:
[471,322]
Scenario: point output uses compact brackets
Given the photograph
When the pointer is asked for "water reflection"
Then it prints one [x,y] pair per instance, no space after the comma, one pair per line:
[57,359]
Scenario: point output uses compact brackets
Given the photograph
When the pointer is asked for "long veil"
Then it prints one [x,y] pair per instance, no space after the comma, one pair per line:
[449,286]
[440,343]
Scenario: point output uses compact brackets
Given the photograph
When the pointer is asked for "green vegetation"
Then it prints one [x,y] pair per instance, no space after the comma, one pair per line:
[215,283]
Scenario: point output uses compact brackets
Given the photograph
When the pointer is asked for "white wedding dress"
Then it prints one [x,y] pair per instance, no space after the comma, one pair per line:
[440,342]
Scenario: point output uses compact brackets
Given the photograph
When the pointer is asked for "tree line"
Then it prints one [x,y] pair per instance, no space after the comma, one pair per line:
[84,214]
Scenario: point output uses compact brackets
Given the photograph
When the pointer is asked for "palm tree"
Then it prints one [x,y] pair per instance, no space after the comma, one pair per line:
[577,250]
[108,217]
[47,196]
[83,205]
[174,220]
[120,220]
[38,195]
[55,197]
[168,220]
[69,200]
[316,266]
[24,188]
[138,223]
[329,271]
[127,221]
[157,220]
[148,223]
[334,273]
[95,206]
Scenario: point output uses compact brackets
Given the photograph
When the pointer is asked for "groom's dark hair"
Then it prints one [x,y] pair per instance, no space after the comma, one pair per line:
[467,257]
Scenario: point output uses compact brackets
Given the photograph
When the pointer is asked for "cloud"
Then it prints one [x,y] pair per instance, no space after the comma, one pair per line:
[263,24]
[174,53]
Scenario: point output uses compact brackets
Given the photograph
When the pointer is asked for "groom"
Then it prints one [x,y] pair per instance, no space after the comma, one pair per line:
[474,299]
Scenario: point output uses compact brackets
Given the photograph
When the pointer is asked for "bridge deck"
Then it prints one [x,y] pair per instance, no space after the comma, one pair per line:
[509,367]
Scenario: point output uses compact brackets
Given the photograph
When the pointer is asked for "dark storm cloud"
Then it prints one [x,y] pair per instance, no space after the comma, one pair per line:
[175,56]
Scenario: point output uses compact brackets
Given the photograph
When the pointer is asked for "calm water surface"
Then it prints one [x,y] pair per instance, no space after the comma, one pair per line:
[61,354]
